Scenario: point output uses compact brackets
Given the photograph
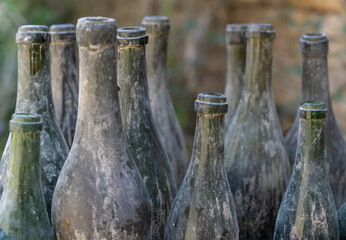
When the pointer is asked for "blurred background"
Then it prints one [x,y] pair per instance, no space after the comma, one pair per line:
[197,50]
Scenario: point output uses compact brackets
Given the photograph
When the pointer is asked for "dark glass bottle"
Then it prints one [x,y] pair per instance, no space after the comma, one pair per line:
[160,102]
[140,130]
[236,58]
[315,86]
[204,207]
[64,73]
[255,157]
[34,95]
[308,210]
[23,213]
[342,221]
[100,193]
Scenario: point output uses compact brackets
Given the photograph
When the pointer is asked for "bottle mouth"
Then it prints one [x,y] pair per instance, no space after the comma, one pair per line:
[96,31]
[62,32]
[32,34]
[313,110]
[132,35]
[314,37]
[236,33]
[314,44]
[25,122]
[260,30]
[156,24]
[209,102]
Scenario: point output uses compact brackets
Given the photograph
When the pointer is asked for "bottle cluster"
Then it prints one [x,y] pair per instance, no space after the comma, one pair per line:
[119,170]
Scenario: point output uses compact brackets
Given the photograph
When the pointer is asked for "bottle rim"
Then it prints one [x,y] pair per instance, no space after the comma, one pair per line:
[25,122]
[312,110]
[132,35]
[32,34]
[236,33]
[62,32]
[260,30]
[156,24]
[211,102]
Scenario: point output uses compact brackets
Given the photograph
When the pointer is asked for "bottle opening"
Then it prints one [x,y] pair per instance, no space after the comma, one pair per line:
[209,102]
[236,27]
[25,122]
[62,32]
[260,30]
[314,37]
[33,29]
[96,20]
[313,110]
[32,34]
[56,28]
[148,20]
[210,97]
[131,32]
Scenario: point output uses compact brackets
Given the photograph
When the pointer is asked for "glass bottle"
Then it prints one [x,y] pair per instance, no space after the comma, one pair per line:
[164,117]
[204,207]
[64,73]
[23,213]
[236,58]
[140,130]
[308,210]
[100,193]
[315,86]
[256,161]
[342,221]
[34,95]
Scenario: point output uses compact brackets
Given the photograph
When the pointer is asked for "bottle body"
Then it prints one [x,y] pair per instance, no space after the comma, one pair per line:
[141,133]
[236,58]
[204,207]
[23,213]
[307,210]
[254,145]
[63,53]
[99,180]
[315,86]
[161,105]
[34,95]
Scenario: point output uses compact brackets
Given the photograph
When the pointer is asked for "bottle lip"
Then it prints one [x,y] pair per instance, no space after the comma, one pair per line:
[156,24]
[210,102]
[314,44]
[25,122]
[236,33]
[96,31]
[260,30]
[32,34]
[312,110]
[132,36]
[62,32]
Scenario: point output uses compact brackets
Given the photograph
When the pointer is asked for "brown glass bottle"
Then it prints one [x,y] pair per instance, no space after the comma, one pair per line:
[161,105]
[63,53]
[100,193]
[256,160]
[204,207]
[236,58]
[315,86]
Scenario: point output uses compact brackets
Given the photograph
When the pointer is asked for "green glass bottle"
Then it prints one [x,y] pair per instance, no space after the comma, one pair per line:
[63,53]
[256,160]
[100,193]
[204,207]
[236,58]
[342,221]
[161,105]
[308,210]
[34,95]
[315,86]
[140,130]
[23,213]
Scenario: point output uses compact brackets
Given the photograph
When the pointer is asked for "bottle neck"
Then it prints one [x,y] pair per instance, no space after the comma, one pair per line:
[315,83]
[133,94]
[23,185]
[236,58]
[310,146]
[98,109]
[34,93]
[157,61]
[208,148]
[258,69]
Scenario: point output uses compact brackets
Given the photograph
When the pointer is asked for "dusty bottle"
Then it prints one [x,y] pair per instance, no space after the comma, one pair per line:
[315,86]
[160,102]
[236,58]
[100,193]
[342,221]
[256,161]
[141,133]
[204,207]
[23,213]
[308,210]
[34,95]
[64,73]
